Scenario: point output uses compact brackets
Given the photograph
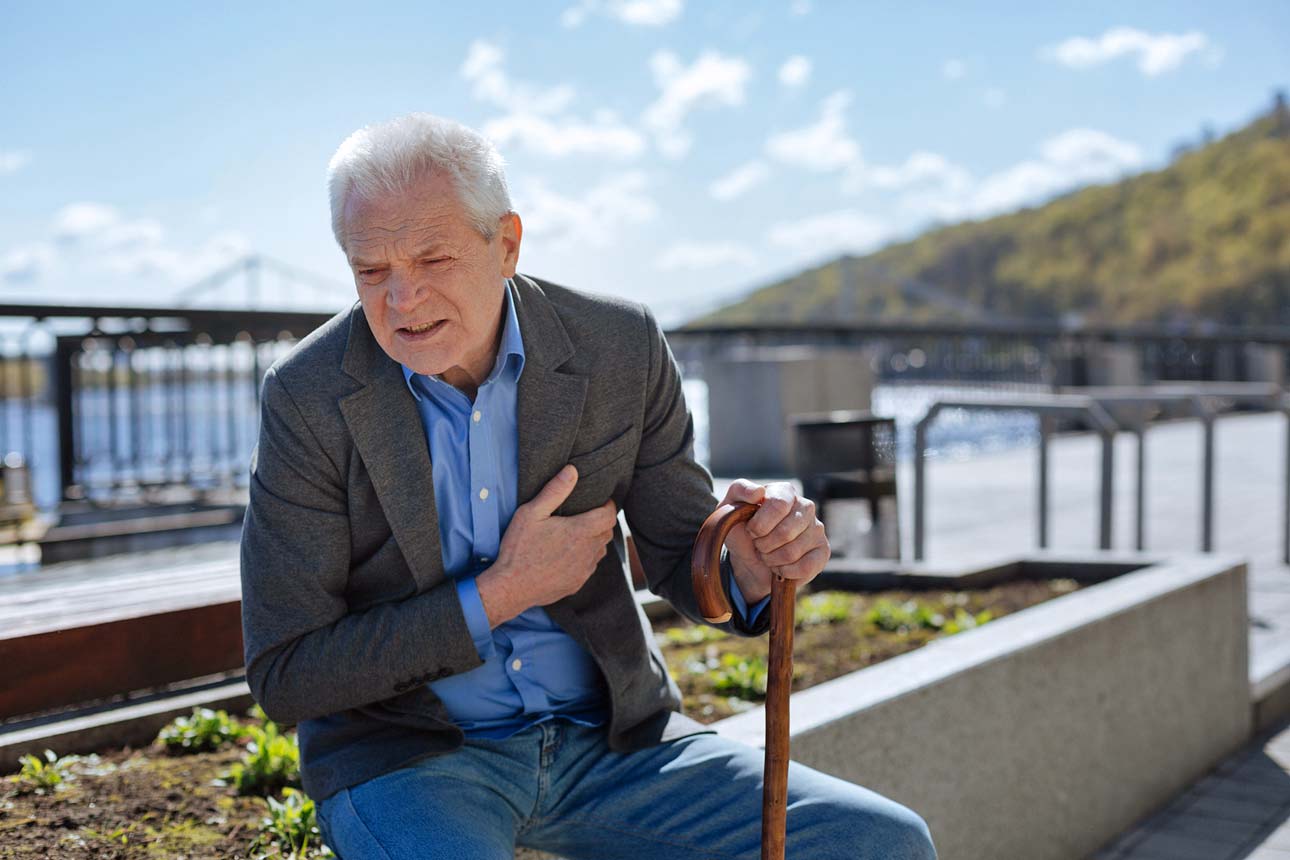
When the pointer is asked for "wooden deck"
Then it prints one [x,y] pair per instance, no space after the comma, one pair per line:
[82,631]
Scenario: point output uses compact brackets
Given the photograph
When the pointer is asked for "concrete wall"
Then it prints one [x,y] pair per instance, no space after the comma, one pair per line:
[1046,733]
[752,393]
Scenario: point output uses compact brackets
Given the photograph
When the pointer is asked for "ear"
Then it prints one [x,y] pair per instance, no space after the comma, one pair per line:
[510,231]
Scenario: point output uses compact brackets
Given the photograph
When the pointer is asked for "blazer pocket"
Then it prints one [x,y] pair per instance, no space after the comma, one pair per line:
[590,462]
[602,473]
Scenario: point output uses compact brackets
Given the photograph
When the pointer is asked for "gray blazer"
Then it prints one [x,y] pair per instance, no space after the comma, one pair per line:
[346,609]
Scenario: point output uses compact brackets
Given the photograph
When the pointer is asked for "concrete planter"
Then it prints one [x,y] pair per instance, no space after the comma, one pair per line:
[1048,732]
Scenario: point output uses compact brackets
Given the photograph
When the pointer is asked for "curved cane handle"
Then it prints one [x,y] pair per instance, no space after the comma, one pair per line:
[705,563]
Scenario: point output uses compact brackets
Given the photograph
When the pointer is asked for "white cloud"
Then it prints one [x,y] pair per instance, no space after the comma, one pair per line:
[800,7]
[742,179]
[705,255]
[994,98]
[1074,157]
[178,266]
[25,264]
[952,70]
[712,79]
[483,68]
[823,146]
[594,219]
[920,168]
[534,117]
[795,72]
[605,136]
[94,243]
[639,13]
[131,234]
[79,221]
[1090,153]
[1156,53]
[13,160]
[845,230]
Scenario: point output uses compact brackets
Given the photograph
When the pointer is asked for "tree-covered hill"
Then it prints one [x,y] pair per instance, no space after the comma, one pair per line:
[1206,238]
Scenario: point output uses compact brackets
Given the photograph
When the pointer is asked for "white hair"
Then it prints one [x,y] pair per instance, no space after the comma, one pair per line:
[389,157]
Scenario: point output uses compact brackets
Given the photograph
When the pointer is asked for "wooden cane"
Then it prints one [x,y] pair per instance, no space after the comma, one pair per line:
[705,568]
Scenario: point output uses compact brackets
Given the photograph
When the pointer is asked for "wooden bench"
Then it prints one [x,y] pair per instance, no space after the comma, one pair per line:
[93,631]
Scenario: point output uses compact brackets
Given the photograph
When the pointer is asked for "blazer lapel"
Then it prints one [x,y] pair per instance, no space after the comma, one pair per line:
[387,431]
[548,401]
[548,414]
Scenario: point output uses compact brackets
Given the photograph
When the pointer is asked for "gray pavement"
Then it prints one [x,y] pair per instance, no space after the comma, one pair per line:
[1240,810]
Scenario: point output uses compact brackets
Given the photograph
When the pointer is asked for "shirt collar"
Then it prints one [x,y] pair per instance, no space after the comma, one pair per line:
[511,344]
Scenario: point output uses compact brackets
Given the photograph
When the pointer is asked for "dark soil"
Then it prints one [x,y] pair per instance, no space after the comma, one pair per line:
[826,650]
[147,804]
[129,804]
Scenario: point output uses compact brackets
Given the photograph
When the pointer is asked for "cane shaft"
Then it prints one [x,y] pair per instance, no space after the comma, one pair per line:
[779,682]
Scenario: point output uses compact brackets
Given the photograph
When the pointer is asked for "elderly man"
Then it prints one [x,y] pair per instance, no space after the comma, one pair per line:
[433,575]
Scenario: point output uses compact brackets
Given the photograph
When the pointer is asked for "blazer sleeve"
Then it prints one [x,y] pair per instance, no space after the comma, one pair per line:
[671,493]
[307,654]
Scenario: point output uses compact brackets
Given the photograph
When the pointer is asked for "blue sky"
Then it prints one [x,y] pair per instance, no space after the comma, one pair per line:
[673,151]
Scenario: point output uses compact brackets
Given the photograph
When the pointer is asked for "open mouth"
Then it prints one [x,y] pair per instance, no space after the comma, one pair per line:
[421,330]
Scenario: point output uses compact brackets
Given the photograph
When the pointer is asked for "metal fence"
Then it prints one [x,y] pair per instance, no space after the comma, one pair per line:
[114,404]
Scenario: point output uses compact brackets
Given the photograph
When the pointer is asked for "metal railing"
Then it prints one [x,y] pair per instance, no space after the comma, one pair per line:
[115,404]
[1135,407]
[1045,405]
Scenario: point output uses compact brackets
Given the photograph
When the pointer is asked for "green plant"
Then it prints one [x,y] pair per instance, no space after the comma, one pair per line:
[204,731]
[895,617]
[290,830]
[964,620]
[43,775]
[696,634]
[825,608]
[912,615]
[740,676]
[271,761]
[120,834]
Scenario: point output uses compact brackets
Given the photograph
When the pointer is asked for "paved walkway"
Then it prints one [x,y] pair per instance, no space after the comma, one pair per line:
[986,505]
[1240,810]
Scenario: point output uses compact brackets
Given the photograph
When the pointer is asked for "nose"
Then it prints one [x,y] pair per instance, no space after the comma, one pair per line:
[405,292]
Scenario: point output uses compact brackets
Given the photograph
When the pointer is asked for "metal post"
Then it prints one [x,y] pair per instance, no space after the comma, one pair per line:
[66,351]
[1207,487]
[920,486]
[1285,518]
[1045,428]
[1140,514]
[1108,477]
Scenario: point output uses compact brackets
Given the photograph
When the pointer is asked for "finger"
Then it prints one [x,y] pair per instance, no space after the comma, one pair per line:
[795,549]
[807,567]
[556,490]
[777,504]
[743,490]
[799,519]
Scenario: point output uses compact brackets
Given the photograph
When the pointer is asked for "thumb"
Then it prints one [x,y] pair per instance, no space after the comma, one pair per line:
[556,490]
[744,490]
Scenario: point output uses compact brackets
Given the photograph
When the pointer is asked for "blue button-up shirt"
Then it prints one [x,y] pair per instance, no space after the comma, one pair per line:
[533,671]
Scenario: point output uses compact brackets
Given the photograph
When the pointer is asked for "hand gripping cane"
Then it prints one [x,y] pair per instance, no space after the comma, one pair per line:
[705,568]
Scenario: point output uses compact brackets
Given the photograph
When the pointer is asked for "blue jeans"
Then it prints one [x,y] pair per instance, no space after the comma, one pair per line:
[559,788]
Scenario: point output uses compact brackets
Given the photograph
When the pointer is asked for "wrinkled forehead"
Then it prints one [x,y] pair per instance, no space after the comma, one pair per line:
[384,216]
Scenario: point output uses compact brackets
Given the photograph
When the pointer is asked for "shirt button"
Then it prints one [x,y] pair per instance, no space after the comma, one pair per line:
[517,664]
[483,493]
[478,415]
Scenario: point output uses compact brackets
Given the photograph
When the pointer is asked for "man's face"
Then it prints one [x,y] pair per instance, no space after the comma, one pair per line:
[431,286]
